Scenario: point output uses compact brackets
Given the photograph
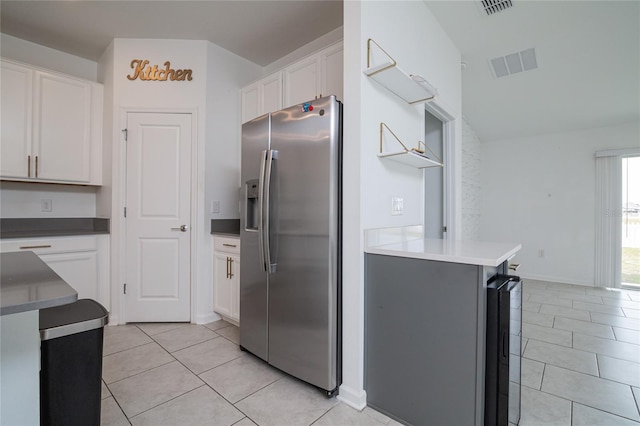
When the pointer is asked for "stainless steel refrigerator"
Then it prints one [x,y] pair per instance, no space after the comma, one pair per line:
[290,251]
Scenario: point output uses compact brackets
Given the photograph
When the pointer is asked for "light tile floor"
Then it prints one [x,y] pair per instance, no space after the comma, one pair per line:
[185,374]
[580,366]
[581,355]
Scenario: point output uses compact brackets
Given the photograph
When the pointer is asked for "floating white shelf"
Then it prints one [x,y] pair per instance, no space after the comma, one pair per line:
[409,157]
[413,89]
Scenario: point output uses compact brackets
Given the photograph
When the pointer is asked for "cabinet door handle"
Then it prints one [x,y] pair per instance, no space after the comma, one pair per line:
[28,166]
[35,247]
[230,267]
[227,267]
[36,166]
[229,245]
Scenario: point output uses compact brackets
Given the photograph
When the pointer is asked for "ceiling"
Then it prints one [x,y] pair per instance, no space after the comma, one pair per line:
[588,71]
[260,31]
[588,52]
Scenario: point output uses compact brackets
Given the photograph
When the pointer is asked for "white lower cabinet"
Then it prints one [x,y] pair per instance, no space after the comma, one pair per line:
[226,277]
[82,261]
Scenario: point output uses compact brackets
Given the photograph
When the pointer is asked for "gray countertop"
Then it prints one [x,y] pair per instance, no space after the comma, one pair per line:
[229,227]
[28,284]
[52,227]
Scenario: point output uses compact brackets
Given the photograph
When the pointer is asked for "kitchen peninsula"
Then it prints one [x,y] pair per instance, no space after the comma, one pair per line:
[27,284]
[425,324]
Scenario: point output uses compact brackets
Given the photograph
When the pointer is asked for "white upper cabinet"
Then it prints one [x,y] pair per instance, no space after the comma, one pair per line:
[332,71]
[302,81]
[17,104]
[262,97]
[315,76]
[271,93]
[53,129]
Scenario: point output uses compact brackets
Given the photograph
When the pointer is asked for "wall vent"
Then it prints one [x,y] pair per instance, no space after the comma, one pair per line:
[514,63]
[495,6]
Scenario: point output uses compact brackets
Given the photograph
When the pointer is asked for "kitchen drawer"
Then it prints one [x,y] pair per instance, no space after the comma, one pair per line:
[226,244]
[50,245]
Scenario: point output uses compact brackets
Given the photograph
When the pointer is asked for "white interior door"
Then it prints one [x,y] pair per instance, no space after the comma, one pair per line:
[158,217]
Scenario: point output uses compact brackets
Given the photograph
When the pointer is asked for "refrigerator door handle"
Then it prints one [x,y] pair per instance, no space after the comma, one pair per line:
[271,155]
[261,222]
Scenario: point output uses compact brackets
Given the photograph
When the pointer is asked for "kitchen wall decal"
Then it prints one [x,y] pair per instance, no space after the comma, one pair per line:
[143,71]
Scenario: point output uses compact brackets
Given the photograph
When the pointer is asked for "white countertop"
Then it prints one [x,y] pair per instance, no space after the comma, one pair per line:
[408,242]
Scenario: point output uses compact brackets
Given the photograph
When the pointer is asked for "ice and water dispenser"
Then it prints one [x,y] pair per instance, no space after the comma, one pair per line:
[252,202]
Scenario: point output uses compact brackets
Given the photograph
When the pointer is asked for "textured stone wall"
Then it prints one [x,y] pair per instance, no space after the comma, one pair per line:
[471,183]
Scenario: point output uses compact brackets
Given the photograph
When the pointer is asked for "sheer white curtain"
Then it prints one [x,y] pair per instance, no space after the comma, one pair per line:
[608,218]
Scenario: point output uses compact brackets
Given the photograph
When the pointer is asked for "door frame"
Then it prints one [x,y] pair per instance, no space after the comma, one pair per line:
[451,167]
[119,198]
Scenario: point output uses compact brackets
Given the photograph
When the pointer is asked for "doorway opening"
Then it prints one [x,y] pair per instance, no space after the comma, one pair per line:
[434,180]
[630,273]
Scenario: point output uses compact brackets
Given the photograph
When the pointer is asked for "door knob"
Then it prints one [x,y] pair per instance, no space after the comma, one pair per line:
[182,228]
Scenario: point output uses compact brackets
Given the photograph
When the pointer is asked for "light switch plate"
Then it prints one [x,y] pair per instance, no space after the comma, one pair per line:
[215,206]
[46,205]
[397,206]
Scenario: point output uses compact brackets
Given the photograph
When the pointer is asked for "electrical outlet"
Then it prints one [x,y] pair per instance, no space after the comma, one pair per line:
[46,205]
[397,206]
[215,206]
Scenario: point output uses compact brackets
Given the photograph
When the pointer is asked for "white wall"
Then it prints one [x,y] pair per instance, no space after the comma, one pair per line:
[23,200]
[410,33]
[540,191]
[226,74]
[471,183]
[104,194]
[45,57]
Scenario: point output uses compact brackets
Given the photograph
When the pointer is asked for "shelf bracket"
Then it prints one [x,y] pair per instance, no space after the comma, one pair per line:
[384,126]
[417,150]
[412,88]
[392,64]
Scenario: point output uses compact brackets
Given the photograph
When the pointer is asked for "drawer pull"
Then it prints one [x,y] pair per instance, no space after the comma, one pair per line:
[229,245]
[35,247]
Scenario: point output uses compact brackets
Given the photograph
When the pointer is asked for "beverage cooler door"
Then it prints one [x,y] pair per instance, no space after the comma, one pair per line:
[503,350]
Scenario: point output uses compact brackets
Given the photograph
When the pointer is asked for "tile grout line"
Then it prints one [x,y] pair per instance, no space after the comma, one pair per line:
[164,402]
[636,400]
[117,403]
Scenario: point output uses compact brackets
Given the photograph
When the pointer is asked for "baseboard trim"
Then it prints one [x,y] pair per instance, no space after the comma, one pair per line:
[353,398]
[559,280]
[206,319]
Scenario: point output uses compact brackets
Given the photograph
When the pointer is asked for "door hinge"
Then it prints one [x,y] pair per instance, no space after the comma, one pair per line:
[125,212]
[126,132]
[124,288]
[444,229]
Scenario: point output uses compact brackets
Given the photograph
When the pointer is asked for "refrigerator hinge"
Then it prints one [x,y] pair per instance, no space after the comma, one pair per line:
[124,288]
[125,131]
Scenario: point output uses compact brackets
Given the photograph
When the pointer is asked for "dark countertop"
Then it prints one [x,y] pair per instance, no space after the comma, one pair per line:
[28,284]
[52,227]
[230,227]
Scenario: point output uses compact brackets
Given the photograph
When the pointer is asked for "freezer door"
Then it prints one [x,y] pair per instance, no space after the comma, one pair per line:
[253,276]
[304,289]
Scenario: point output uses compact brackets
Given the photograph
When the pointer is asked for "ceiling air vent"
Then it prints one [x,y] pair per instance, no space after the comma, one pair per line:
[514,63]
[495,6]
